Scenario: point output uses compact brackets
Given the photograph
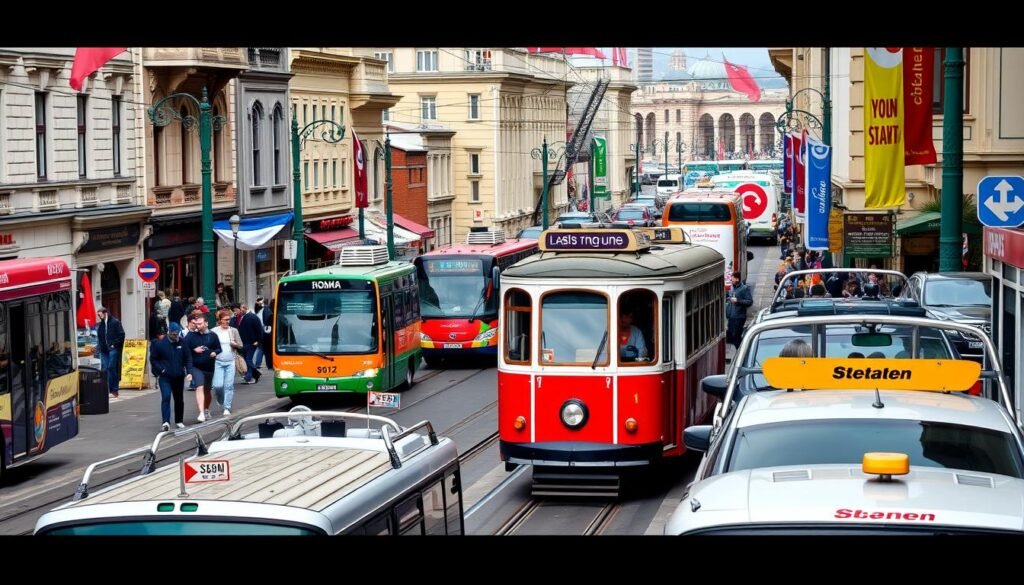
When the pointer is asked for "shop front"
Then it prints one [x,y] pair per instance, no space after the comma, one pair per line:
[1004,261]
[919,243]
[326,237]
[177,246]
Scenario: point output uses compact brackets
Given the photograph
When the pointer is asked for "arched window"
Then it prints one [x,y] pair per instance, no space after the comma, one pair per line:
[278,128]
[256,119]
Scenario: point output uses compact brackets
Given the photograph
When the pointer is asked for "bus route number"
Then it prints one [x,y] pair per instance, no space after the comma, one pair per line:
[327,369]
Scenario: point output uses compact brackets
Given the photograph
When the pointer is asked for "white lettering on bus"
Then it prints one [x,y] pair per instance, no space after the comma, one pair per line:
[326,284]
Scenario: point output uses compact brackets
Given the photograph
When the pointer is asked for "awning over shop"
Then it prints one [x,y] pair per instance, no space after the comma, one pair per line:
[929,222]
[336,239]
[253,232]
[403,237]
[422,230]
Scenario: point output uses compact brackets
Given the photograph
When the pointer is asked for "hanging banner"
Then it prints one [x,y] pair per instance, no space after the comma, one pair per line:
[600,168]
[884,184]
[253,232]
[918,72]
[787,164]
[799,176]
[362,192]
[819,195]
[133,363]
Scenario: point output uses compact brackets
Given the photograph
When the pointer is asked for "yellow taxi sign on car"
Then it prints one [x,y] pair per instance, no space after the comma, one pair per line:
[871,374]
[885,464]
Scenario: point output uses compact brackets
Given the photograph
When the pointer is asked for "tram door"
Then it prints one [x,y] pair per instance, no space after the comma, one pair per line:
[671,407]
[26,374]
[387,328]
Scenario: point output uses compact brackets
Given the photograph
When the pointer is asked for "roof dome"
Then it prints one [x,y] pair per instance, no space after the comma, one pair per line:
[710,74]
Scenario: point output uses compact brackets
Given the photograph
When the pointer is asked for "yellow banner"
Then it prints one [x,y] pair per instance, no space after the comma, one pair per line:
[869,374]
[884,184]
[835,231]
[5,407]
[61,389]
[133,363]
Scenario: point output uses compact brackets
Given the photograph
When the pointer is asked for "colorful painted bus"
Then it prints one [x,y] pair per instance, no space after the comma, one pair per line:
[348,328]
[39,405]
[459,292]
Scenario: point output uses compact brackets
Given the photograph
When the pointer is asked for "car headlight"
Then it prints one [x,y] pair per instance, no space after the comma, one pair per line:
[283,374]
[485,335]
[574,413]
[369,373]
[424,337]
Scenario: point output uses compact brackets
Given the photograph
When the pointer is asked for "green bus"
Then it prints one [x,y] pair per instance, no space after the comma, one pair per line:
[349,328]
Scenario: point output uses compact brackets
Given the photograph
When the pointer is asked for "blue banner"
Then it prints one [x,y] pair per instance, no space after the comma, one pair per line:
[819,194]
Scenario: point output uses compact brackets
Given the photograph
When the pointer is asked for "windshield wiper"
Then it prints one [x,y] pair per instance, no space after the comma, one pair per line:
[317,353]
[593,366]
[483,297]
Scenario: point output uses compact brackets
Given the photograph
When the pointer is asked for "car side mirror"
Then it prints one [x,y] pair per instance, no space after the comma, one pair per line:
[715,385]
[698,437]
[750,256]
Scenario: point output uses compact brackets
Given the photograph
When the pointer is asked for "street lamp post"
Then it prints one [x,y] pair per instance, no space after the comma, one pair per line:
[332,134]
[679,155]
[545,153]
[638,151]
[388,203]
[234,222]
[667,145]
[161,115]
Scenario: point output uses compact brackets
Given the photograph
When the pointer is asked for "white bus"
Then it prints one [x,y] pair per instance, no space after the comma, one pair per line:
[760,196]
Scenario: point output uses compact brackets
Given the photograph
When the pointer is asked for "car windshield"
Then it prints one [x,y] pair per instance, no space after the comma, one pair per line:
[958,292]
[531,233]
[630,214]
[845,441]
[455,287]
[697,212]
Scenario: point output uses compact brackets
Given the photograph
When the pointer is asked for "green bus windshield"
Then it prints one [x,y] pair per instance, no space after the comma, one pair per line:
[173,528]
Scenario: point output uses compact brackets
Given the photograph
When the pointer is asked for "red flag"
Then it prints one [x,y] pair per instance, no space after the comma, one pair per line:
[619,57]
[362,198]
[88,60]
[592,51]
[85,315]
[721,149]
[741,81]
[918,70]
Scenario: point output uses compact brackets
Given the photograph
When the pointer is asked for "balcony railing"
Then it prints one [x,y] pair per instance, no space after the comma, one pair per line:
[265,57]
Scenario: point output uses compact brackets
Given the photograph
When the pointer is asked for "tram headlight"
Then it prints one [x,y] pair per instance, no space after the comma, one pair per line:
[284,374]
[520,423]
[631,425]
[486,335]
[574,413]
[425,337]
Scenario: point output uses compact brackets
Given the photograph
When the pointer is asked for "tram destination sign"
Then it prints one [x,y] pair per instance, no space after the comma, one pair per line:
[592,240]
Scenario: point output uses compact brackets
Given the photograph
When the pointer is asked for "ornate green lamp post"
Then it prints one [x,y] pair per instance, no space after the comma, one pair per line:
[951,224]
[333,133]
[162,115]
[545,153]
[638,151]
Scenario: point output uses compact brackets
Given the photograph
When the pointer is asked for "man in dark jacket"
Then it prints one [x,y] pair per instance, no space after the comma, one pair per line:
[736,302]
[251,331]
[109,343]
[171,362]
[204,345]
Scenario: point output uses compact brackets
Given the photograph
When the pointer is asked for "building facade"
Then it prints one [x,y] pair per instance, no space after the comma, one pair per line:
[71,172]
[264,163]
[501,103]
[613,122]
[703,116]
[644,64]
[174,161]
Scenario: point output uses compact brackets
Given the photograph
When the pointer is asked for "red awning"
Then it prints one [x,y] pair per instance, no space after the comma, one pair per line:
[423,231]
[30,276]
[336,239]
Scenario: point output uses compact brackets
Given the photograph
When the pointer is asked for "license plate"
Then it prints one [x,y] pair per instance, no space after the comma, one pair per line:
[453,346]
[974,344]
[326,387]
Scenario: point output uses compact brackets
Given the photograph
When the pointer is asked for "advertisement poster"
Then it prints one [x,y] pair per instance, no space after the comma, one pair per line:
[133,363]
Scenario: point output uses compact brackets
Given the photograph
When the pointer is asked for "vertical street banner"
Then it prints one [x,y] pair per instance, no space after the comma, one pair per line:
[918,73]
[884,184]
[600,168]
[133,363]
[799,179]
[819,195]
[362,195]
[787,164]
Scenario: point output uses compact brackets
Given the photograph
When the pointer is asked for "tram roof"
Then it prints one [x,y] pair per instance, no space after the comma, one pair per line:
[658,261]
[392,268]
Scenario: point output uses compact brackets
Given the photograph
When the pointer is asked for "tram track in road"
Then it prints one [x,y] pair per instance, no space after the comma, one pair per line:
[543,516]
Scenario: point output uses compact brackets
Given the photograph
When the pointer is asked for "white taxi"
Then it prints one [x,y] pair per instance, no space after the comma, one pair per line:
[857,446]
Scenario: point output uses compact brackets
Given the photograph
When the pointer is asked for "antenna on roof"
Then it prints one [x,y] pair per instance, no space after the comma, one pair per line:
[878,399]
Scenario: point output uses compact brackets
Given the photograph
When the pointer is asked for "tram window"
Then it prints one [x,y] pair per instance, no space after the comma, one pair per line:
[452,503]
[705,316]
[574,329]
[58,349]
[636,331]
[410,516]
[517,326]
[378,526]
[433,509]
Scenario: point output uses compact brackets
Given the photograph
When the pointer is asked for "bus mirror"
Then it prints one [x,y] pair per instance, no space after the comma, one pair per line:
[697,437]
[750,256]
[496,278]
[715,386]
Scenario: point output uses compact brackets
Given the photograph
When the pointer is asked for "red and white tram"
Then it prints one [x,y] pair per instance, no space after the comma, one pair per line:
[563,401]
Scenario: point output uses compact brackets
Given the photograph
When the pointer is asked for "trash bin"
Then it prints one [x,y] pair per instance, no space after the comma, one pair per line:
[92,391]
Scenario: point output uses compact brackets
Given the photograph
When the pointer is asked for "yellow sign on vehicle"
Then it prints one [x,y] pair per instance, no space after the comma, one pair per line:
[871,374]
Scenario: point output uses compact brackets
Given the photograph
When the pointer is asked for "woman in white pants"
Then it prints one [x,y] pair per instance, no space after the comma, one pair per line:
[224,368]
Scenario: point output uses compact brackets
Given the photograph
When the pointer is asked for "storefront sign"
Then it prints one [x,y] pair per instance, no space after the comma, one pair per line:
[868,235]
[133,363]
[112,237]
[325,225]
[1005,245]
[263,255]
[7,240]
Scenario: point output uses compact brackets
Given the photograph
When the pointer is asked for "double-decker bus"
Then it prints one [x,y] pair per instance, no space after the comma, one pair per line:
[459,291]
[352,327]
[605,336]
[39,405]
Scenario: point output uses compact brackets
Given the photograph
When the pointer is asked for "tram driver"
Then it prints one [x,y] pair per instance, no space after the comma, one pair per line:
[632,346]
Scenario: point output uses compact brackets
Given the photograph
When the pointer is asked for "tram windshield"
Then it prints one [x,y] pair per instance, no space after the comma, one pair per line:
[455,287]
[330,322]
[574,328]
